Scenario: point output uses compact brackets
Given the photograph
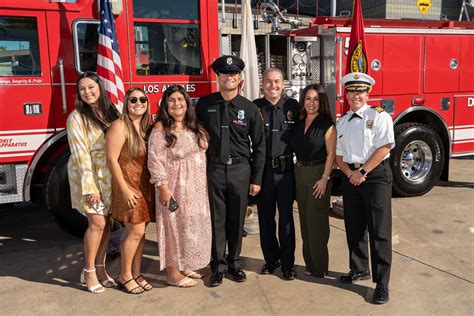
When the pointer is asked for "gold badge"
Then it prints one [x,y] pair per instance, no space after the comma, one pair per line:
[369,123]
[289,116]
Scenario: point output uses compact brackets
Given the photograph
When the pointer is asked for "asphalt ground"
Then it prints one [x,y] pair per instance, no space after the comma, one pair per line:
[432,272]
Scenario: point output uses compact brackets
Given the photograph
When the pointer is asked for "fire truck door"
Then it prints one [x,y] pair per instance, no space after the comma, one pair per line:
[463,129]
[25,85]
[442,54]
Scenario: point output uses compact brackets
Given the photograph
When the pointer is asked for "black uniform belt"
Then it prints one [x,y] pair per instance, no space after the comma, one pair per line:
[310,163]
[231,161]
[280,161]
[356,166]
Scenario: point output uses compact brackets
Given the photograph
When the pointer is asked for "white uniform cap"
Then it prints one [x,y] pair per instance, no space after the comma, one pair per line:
[357,81]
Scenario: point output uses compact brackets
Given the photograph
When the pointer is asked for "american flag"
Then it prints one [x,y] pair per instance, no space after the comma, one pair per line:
[109,66]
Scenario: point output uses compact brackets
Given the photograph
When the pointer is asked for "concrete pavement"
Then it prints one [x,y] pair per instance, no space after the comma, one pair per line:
[432,268]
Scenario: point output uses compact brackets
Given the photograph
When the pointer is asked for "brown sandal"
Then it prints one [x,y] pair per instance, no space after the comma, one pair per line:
[147,286]
[121,286]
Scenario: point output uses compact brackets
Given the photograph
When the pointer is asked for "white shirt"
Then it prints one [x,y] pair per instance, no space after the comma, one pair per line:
[358,138]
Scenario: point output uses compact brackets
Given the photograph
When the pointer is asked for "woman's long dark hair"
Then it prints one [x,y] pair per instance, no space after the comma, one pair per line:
[323,101]
[106,108]
[136,139]
[190,121]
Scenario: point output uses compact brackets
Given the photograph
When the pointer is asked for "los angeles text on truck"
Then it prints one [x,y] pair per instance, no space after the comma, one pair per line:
[425,80]
[43,47]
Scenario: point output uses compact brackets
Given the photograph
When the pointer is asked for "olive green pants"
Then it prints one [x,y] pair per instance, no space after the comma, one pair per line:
[314,218]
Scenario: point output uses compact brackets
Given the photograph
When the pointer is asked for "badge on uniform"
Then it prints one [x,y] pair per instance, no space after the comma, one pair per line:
[369,123]
[241,114]
[229,61]
[289,115]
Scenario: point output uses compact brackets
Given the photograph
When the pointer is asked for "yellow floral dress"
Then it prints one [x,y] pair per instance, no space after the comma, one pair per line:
[87,169]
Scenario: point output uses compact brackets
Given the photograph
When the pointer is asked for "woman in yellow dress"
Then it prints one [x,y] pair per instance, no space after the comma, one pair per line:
[89,178]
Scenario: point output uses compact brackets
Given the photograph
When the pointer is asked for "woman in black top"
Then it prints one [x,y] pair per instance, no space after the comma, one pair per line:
[314,142]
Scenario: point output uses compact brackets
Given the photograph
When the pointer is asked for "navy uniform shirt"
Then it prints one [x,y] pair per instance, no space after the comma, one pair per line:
[279,121]
[245,130]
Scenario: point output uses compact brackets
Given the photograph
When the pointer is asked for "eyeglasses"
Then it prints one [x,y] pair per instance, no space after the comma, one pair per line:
[134,100]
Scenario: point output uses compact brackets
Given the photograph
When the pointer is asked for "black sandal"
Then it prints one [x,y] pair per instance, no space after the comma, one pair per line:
[121,286]
[147,286]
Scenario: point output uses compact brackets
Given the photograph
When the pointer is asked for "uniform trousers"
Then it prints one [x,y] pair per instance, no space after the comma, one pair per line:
[228,195]
[314,218]
[277,190]
[369,207]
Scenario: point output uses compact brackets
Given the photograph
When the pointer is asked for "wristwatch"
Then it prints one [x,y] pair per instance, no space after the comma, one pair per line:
[363,172]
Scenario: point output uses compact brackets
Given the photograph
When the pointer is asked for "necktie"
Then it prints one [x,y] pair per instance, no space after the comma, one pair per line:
[355,115]
[224,150]
[274,129]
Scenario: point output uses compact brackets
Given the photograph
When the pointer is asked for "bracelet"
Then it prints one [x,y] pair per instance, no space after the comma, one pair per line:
[326,177]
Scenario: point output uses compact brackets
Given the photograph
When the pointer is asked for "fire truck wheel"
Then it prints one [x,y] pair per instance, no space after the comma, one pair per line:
[58,199]
[417,159]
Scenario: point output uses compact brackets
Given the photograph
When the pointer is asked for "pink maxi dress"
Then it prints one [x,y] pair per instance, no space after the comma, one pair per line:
[184,236]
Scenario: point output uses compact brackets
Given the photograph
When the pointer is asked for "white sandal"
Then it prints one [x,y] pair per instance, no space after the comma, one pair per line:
[109,282]
[96,289]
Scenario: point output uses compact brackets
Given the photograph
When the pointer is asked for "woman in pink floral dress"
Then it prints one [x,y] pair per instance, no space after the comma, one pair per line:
[177,163]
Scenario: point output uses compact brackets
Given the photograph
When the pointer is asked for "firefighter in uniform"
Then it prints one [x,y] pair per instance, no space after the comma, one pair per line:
[279,115]
[236,157]
[364,139]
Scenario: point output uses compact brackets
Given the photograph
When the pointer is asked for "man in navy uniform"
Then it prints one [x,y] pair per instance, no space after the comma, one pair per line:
[279,114]
[236,157]
[364,140]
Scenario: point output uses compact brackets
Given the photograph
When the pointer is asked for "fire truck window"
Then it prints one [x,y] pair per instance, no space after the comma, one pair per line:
[19,48]
[87,34]
[166,9]
[167,49]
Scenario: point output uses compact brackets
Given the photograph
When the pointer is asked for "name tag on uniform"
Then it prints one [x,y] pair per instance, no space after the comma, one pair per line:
[211,110]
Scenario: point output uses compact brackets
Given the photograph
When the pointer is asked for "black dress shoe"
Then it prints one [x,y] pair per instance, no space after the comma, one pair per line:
[238,275]
[381,294]
[353,276]
[216,278]
[289,274]
[270,267]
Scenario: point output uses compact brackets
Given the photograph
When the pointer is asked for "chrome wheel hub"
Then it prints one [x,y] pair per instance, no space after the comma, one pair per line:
[416,161]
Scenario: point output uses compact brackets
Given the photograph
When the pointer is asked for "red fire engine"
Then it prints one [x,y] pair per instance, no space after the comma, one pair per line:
[424,74]
[43,47]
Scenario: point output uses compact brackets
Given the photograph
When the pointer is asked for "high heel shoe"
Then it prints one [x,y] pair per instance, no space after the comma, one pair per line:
[109,282]
[96,289]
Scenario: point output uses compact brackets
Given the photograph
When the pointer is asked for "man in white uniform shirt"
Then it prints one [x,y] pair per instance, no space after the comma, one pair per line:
[364,140]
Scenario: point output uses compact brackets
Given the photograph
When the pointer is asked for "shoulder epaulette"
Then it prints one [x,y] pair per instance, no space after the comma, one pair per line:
[378,109]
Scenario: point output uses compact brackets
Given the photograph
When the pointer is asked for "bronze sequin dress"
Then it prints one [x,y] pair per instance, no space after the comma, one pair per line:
[136,174]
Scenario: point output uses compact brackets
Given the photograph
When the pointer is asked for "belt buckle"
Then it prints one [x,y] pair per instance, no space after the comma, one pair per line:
[275,163]
[357,165]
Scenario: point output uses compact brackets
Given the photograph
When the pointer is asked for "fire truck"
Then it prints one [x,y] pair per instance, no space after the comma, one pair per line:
[45,45]
[424,72]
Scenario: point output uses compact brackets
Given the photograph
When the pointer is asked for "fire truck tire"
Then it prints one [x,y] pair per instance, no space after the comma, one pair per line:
[58,199]
[417,159]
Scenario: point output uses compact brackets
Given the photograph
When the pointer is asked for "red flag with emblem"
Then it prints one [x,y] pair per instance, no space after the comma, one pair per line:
[357,53]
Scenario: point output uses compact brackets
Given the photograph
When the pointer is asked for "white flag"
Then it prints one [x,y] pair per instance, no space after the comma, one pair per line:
[248,53]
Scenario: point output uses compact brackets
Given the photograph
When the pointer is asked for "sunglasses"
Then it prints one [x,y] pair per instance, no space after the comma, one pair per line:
[134,100]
